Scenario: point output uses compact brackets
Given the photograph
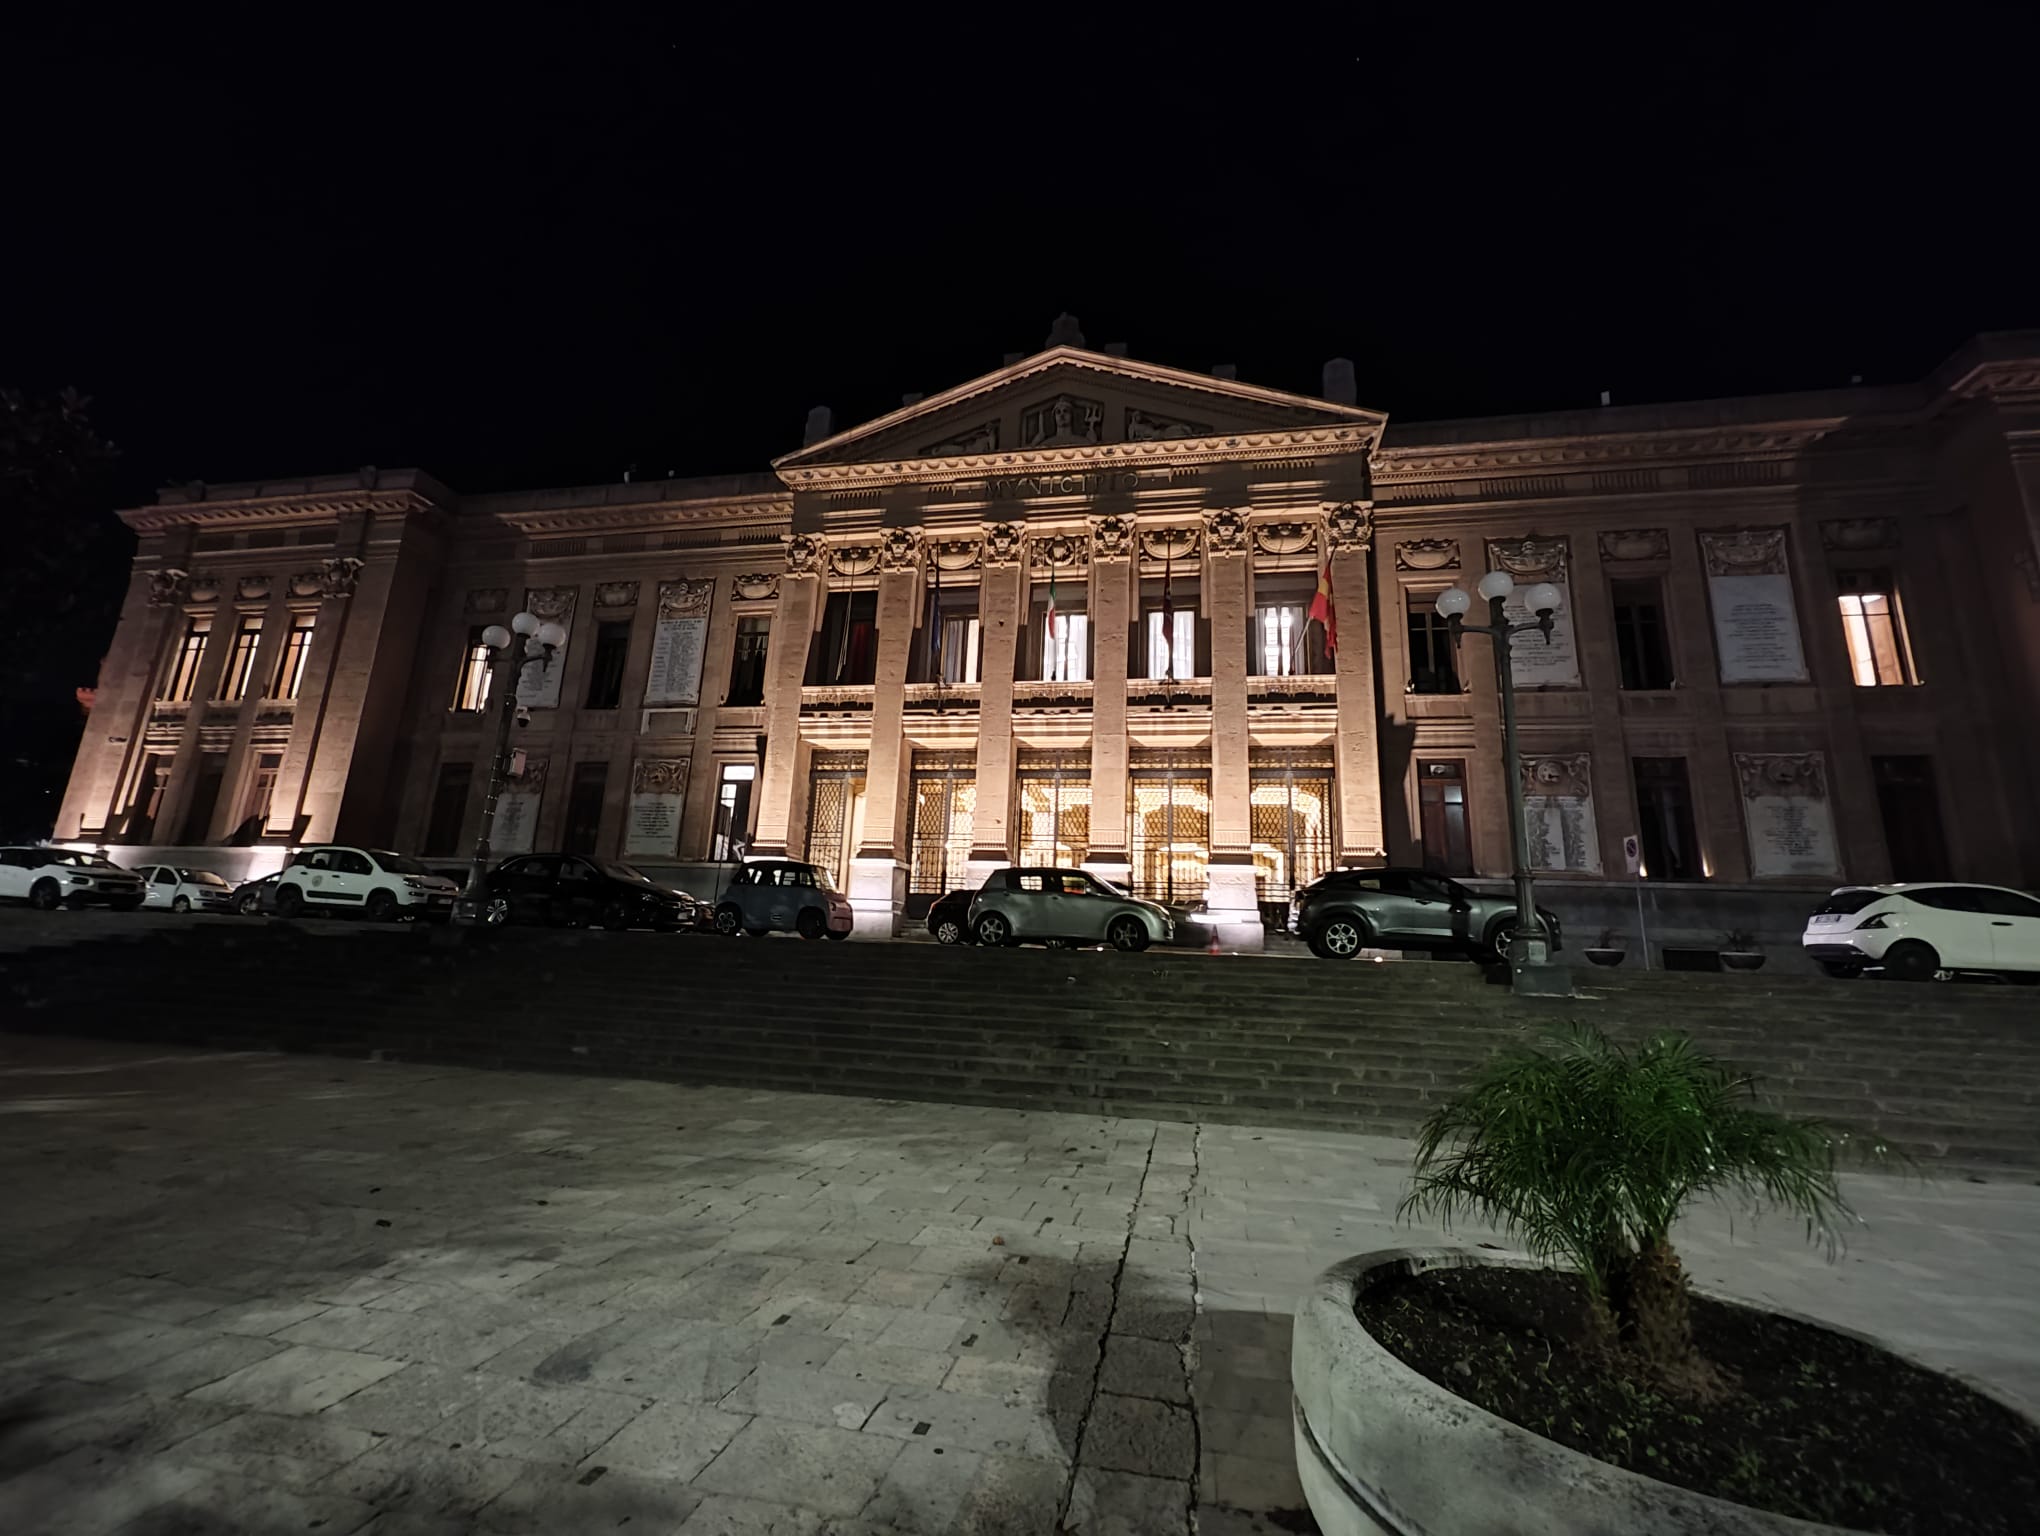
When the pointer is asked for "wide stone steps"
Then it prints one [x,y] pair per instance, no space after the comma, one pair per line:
[1945,1071]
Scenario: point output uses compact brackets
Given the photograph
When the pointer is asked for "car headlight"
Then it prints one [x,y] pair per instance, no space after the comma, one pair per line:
[81,879]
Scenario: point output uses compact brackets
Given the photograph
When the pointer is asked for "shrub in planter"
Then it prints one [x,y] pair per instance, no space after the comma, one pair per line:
[1693,1413]
[1740,951]
[1606,950]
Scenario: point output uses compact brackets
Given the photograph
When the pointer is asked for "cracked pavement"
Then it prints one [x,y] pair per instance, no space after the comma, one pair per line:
[253,1293]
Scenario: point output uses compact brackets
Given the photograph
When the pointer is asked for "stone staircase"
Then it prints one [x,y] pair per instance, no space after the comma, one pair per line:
[1947,1072]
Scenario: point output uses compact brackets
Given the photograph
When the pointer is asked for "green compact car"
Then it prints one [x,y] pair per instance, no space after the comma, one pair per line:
[1354,909]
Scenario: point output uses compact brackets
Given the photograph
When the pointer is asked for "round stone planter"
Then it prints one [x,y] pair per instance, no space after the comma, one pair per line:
[1600,956]
[1743,959]
[1384,1451]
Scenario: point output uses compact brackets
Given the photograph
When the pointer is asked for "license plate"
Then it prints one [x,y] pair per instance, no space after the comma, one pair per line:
[1827,919]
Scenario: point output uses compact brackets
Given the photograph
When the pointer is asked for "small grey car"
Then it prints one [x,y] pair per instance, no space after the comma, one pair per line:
[1071,906]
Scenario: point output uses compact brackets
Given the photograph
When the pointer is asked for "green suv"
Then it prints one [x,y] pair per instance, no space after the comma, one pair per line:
[1354,909]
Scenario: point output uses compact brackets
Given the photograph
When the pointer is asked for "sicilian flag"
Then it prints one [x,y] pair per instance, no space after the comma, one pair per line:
[1055,656]
[1321,609]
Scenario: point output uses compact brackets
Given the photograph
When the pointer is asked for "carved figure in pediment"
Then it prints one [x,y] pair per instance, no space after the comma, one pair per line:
[1349,525]
[803,554]
[1067,421]
[983,438]
[1111,538]
[1146,426]
[899,550]
[552,603]
[1002,544]
[1226,532]
[168,586]
[1168,544]
[853,559]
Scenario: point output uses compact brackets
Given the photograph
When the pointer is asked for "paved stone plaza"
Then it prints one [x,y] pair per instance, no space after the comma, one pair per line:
[248,1293]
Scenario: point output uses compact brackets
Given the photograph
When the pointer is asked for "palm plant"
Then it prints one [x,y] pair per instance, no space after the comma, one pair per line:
[1586,1154]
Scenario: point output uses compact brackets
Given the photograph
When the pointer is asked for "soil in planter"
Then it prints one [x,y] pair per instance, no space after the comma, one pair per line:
[1811,1424]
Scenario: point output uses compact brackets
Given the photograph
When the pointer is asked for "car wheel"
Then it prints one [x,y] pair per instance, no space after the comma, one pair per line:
[290,901]
[1911,960]
[381,907]
[45,896]
[1842,970]
[249,905]
[949,931]
[810,924]
[839,934]
[1127,934]
[181,904]
[1340,939]
[496,911]
[615,918]
[729,922]
[993,930]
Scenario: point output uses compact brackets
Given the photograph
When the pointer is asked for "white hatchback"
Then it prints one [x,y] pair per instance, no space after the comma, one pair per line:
[186,890]
[383,886]
[1920,930]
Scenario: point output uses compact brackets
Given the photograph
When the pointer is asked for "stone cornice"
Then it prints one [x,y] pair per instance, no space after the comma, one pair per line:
[645,516]
[1783,440]
[1324,441]
[315,508]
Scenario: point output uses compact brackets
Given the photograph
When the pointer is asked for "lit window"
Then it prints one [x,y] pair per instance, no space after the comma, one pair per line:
[1875,630]
[1066,648]
[471,690]
[290,667]
[241,659]
[182,677]
[1172,654]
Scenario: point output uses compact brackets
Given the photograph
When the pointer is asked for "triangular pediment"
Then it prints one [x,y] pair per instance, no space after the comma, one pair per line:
[1068,399]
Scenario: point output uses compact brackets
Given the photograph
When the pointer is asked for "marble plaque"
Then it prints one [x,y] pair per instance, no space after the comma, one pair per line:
[1756,625]
[1558,815]
[539,687]
[1788,815]
[680,642]
[658,789]
[517,810]
[1535,661]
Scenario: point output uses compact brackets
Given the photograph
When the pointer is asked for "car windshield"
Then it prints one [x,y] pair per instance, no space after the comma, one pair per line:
[203,877]
[396,863]
[1847,903]
[619,871]
[823,878]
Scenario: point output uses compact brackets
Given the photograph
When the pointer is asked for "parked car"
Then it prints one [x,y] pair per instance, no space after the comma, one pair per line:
[949,918]
[564,888]
[386,887]
[783,896]
[1916,931]
[251,898]
[1350,910]
[1019,906]
[47,878]
[185,890]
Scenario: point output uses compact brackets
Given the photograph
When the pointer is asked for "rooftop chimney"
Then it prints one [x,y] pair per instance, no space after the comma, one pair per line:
[820,424]
[1339,383]
[1225,370]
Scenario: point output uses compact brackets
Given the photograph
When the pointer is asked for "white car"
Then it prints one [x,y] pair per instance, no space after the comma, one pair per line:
[185,890]
[1921,930]
[387,887]
[47,878]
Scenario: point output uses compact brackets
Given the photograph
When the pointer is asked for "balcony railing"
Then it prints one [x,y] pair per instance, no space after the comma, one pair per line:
[1304,688]
[940,696]
[1052,695]
[817,700]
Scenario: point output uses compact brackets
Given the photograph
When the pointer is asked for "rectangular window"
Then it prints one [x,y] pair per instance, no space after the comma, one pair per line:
[290,667]
[240,671]
[733,810]
[148,798]
[261,790]
[1282,641]
[1441,804]
[845,648]
[747,663]
[584,807]
[1664,816]
[1061,653]
[205,798]
[449,809]
[1640,643]
[182,676]
[612,650]
[471,688]
[1875,630]
[1910,804]
[1433,668]
[946,648]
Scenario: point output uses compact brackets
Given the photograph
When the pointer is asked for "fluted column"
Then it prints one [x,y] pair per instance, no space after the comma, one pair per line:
[1349,539]
[1002,612]
[1234,900]
[782,778]
[1112,568]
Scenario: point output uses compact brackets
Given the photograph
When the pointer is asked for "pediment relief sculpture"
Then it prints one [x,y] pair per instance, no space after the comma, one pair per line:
[1744,552]
[555,603]
[1792,775]
[307,583]
[251,589]
[1636,544]
[203,588]
[1349,525]
[1427,555]
[487,599]
[1058,550]
[983,438]
[1146,426]
[1568,774]
[1067,421]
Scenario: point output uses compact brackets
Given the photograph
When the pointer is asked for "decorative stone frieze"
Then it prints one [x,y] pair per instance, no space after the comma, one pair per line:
[1636,544]
[251,589]
[956,554]
[339,575]
[1002,544]
[1225,532]
[204,588]
[899,550]
[755,586]
[1854,533]
[1111,538]
[1531,558]
[853,559]
[1057,550]
[616,594]
[1427,555]
[1168,544]
[1744,552]
[168,586]
[1349,525]
[307,583]
[804,554]
[1284,538]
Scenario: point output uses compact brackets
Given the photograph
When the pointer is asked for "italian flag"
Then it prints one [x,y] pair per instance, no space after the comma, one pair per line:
[1054,652]
[1321,609]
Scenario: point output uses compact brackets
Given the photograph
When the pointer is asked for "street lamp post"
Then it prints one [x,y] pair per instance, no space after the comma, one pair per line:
[1530,967]
[526,642]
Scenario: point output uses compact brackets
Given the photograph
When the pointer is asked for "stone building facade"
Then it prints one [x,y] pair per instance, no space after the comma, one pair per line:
[1800,645]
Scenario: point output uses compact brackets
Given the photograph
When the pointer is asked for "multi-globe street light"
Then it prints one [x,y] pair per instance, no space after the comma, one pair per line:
[527,642]
[1529,953]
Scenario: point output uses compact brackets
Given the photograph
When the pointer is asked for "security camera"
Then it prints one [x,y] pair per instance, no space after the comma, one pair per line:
[524,714]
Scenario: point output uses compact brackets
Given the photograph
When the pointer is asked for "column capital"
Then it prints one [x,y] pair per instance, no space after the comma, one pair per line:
[1225,532]
[1111,538]
[805,553]
[1349,525]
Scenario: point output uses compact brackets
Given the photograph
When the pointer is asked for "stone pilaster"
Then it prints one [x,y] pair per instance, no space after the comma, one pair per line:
[878,872]
[177,796]
[1234,899]
[782,778]
[1002,612]
[1710,765]
[112,743]
[1112,578]
[1349,540]
[226,816]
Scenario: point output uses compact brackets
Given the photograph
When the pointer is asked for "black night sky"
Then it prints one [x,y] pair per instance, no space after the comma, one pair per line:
[523,247]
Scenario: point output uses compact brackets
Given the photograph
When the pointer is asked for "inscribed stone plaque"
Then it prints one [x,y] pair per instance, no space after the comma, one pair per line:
[680,642]
[517,809]
[539,687]
[658,789]
[1536,661]
[1788,816]
[1558,814]
[1749,587]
